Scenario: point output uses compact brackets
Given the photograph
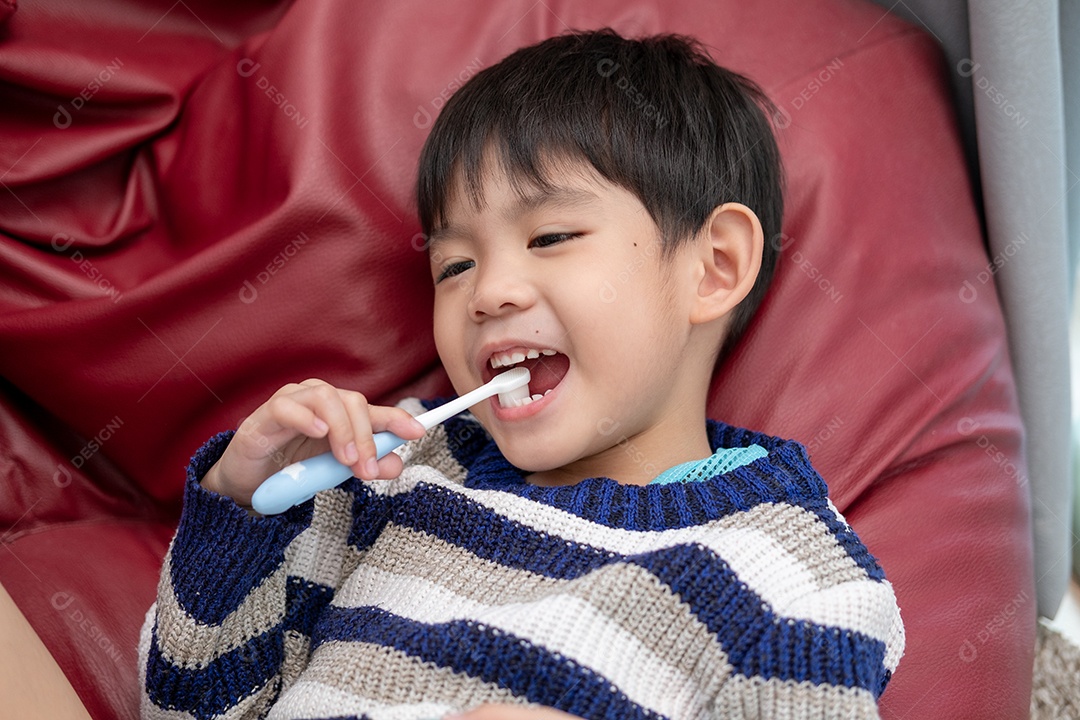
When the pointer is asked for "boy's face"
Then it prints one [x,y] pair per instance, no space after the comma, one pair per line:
[576,271]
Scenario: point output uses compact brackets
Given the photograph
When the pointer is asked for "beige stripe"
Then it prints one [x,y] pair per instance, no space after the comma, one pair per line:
[297,647]
[630,596]
[318,554]
[404,551]
[189,644]
[798,531]
[255,705]
[147,709]
[411,553]
[759,699]
[432,449]
[636,601]
[387,676]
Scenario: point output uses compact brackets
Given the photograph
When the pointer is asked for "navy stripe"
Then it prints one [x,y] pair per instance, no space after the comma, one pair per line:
[460,521]
[758,641]
[220,553]
[370,513]
[785,475]
[234,675]
[304,602]
[487,653]
[212,690]
[847,539]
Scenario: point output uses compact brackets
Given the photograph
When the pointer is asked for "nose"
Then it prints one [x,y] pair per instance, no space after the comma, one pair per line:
[500,286]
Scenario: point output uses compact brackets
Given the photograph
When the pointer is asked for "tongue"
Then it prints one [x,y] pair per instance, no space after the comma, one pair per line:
[545,372]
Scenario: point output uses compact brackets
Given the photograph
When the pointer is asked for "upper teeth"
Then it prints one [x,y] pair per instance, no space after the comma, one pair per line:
[506,359]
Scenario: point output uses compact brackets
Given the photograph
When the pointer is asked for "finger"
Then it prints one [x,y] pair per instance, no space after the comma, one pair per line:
[318,411]
[286,413]
[360,447]
[268,417]
[290,388]
[377,418]
[346,414]
[397,421]
[390,466]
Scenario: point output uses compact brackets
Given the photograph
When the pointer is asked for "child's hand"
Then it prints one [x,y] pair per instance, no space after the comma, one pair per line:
[303,420]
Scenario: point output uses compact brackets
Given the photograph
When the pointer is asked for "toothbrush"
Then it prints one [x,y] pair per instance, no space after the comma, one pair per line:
[300,481]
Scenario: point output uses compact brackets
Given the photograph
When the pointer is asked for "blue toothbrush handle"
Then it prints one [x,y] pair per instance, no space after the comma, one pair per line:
[300,481]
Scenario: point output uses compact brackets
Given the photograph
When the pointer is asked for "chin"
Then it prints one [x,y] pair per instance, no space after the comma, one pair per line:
[529,459]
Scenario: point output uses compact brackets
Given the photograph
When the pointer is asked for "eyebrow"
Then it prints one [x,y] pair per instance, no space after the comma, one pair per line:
[557,198]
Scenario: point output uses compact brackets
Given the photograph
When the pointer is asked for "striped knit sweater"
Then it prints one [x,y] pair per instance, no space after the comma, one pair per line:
[744,595]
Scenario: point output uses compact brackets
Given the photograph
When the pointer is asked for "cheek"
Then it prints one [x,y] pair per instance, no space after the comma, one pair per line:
[645,320]
[446,333]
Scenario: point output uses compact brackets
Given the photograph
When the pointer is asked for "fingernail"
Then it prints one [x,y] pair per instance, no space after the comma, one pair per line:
[371,467]
[320,425]
[351,453]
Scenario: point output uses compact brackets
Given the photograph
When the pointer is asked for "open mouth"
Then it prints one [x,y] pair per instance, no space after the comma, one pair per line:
[546,368]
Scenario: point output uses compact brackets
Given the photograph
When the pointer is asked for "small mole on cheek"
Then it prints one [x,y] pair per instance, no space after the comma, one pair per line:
[635,244]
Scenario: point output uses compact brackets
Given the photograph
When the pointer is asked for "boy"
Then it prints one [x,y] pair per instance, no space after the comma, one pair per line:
[597,211]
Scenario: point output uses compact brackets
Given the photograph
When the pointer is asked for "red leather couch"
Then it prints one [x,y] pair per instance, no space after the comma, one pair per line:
[203,201]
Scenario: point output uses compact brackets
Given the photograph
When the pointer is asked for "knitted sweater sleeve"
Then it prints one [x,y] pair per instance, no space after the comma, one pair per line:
[825,634]
[239,595]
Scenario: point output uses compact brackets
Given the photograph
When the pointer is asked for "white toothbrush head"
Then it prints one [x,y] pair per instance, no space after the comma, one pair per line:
[510,380]
[512,386]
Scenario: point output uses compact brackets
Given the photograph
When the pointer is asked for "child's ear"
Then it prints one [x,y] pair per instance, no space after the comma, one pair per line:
[729,252]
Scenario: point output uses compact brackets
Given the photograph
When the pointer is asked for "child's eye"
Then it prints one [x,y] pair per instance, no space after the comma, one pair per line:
[453,269]
[552,239]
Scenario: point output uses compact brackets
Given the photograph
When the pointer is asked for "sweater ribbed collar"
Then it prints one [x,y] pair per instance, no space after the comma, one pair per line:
[785,475]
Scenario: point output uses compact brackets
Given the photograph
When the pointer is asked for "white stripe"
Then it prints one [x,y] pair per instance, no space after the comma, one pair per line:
[317,554]
[308,699]
[776,575]
[555,521]
[870,605]
[560,623]
[897,638]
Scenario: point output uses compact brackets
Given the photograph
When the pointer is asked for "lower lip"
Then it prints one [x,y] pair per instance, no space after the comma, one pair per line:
[510,414]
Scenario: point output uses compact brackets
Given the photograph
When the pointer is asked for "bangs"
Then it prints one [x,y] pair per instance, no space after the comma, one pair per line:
[534,130]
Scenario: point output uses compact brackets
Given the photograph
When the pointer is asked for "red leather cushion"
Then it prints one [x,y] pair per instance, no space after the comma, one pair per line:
[226,206]
[84,587]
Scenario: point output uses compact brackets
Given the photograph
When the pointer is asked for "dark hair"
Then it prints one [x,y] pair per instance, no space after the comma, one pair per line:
[655,116]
